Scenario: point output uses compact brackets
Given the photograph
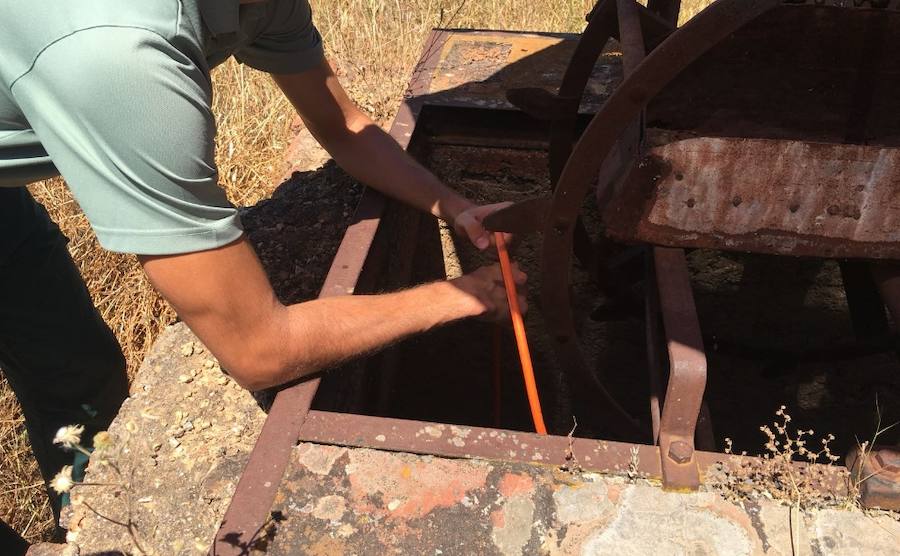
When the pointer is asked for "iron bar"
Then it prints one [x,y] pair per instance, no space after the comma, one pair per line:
[458,441]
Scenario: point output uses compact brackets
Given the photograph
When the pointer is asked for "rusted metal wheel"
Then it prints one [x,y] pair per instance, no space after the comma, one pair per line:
[608,148]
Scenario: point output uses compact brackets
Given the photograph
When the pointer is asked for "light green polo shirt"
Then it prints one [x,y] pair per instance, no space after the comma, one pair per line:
[116,95]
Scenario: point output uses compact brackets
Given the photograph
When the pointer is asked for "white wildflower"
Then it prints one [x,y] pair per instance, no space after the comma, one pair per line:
[69,436]
[63,482]
[102,440]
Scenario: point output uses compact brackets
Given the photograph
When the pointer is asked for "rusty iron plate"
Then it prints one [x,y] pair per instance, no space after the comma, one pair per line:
[475,69]
[766,196]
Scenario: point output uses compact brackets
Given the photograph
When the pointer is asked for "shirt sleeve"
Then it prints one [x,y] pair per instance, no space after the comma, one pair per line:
[126,118]
[289,42]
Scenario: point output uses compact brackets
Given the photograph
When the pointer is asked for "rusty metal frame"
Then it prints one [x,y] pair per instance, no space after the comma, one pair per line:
[675,422]
[290,417]
[644,78]
[607,149]
[687,369]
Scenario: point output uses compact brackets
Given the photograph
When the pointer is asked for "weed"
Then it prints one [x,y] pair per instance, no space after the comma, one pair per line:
[779,476]
[864,450]
[572,464]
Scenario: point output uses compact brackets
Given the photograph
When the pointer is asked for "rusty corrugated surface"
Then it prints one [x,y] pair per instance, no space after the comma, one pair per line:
[769,196]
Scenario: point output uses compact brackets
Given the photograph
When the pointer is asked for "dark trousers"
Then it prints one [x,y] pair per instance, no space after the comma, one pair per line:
[60,358]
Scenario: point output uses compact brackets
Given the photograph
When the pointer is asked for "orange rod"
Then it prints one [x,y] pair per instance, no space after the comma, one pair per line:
[534,401]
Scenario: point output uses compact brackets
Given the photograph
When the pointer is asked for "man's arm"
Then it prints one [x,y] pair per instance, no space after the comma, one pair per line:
[372,156]
[225,298]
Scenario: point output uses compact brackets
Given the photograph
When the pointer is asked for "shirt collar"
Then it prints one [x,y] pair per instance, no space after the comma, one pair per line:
[220,16]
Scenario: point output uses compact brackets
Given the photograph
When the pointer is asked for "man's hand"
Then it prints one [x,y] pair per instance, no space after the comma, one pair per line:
[469,223]
[485,286]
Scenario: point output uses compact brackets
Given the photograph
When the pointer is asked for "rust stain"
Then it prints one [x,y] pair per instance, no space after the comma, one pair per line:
[498,518]
[413,489]
[513,483]
[326,546]
[734,514]
[614,493]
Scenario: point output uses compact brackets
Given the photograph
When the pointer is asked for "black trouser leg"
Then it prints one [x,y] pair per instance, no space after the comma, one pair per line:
[61,359]
[10,541]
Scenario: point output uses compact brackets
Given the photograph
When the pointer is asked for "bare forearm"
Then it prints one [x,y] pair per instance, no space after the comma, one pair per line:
[362,148]
[226,299]
[396,174]
[322,333]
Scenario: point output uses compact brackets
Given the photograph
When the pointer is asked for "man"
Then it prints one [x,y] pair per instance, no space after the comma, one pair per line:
[116,96]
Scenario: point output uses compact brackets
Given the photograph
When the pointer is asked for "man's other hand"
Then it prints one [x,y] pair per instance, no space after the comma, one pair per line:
[485,289]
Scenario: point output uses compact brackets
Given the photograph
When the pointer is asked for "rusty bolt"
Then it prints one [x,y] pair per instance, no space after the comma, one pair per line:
[691,202]
[680,451]
[737,200]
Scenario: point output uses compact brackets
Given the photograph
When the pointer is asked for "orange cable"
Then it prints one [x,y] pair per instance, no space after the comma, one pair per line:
[534,401]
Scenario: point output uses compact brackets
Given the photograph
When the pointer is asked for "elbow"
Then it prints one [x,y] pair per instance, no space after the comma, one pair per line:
[257,370]
[266,355]
[253,379]
[257,373]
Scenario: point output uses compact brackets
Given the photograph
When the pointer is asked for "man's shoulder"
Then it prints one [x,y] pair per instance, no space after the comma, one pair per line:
[29,32]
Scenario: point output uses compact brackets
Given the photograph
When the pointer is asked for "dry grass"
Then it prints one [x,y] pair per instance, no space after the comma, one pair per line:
[373,44]
[23,503]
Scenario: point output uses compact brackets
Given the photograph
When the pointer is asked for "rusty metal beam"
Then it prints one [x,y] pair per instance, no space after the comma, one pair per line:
[687,370]
[666,9]
[458,441]
[631,34]
[519,218]
[602,25]
[877,469]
